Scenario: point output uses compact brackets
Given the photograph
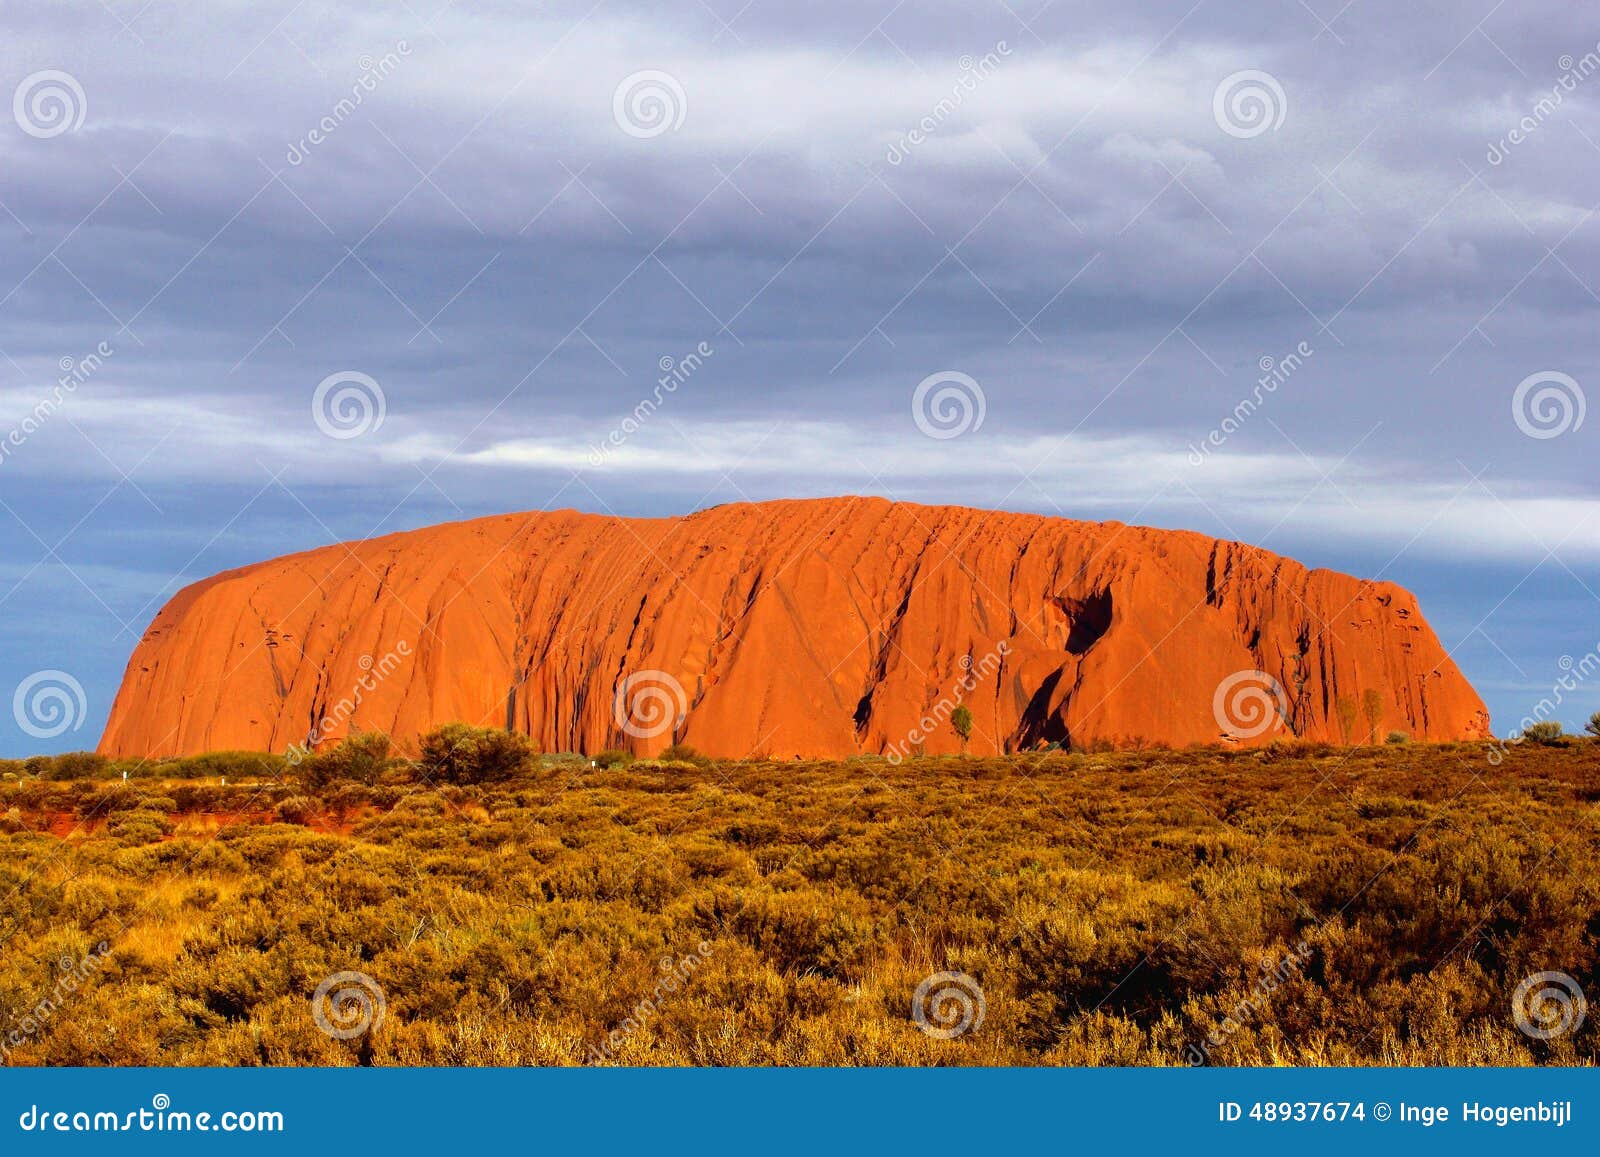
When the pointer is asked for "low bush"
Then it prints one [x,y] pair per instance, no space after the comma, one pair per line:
[362,758]
[458,753]
[1546,732]
[297,809]
[682,753]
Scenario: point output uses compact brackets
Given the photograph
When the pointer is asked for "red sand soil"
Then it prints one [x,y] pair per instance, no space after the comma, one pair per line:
[809,629]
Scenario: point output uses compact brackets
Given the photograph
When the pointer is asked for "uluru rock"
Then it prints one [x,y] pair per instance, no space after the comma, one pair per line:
[779,629]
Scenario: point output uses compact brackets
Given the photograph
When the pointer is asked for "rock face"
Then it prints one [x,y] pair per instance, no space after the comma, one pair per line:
[782,629]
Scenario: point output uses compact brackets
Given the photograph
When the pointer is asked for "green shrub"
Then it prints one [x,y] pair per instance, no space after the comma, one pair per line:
[1547,733]
[78,765]
[1593,726]
[361,758]
[458,753]
[297,809]
[1398,737]
[219,765]
[139,827]
[961,723]
[612,757]
[682,753]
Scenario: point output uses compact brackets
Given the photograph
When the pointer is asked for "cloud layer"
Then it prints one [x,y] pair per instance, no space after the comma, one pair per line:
[519,224]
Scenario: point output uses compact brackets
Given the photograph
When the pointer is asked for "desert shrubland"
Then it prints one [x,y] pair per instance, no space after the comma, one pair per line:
[1298,904]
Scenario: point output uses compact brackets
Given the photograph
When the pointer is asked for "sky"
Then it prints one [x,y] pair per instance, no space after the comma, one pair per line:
[277,274]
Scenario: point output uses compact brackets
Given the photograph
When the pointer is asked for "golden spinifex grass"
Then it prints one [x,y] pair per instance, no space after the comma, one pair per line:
[1302,905]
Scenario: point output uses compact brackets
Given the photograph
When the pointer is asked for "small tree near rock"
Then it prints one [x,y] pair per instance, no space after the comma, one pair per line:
[961,721]
[1348,713]
[1372,703]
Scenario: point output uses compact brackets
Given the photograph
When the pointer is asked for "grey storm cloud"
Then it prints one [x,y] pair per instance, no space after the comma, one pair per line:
[839,200]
